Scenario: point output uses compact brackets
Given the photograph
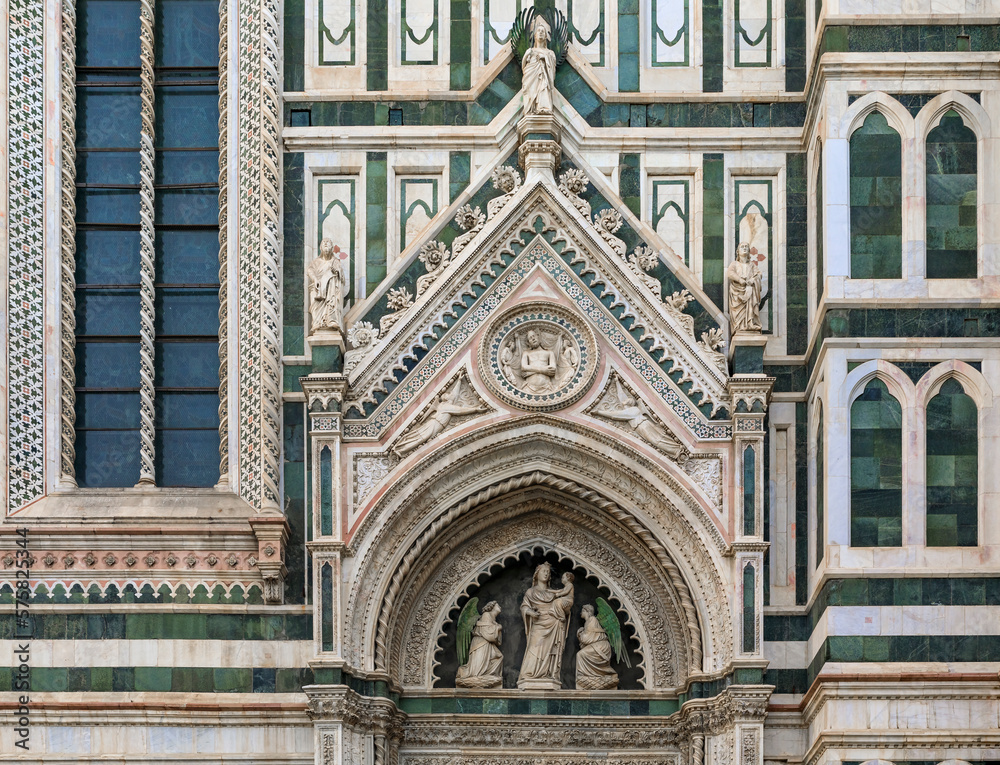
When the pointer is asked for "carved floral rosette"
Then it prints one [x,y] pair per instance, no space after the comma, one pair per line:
[549,322]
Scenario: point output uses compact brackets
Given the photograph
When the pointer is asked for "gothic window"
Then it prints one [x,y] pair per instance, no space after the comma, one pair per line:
[876,468]
[752,29]
[952,468]
[147,245]
[876,201]
[951,200]
[669,43]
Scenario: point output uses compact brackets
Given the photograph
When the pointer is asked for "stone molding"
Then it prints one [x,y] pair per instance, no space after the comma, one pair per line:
[424,498]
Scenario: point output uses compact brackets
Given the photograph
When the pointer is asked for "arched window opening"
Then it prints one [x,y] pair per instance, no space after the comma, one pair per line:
[876,468]
[876,201]
[952,235]
[952,468]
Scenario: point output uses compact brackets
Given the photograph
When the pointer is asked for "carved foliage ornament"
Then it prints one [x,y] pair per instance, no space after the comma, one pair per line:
[538,357]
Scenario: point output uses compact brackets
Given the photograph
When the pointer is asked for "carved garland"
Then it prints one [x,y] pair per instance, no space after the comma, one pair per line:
[653,607]
[570,459]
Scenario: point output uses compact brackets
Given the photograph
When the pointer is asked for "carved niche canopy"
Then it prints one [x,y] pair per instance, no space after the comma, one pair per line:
[539,357]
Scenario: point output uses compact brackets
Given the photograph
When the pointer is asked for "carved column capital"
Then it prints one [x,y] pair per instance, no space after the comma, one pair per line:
[272,537]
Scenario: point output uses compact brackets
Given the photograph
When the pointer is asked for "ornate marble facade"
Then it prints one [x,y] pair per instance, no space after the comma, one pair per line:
[596,382]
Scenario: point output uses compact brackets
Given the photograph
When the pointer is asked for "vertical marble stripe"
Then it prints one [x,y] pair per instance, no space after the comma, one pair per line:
[25,239]
[713,227]
[712,49]
[375,219]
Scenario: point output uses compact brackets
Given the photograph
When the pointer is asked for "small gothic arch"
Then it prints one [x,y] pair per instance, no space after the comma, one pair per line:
[972,380]
[972,113]
[894,378]
[893,111]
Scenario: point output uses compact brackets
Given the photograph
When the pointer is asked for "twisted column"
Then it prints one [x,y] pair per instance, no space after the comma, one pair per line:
[146,272]
[67,334]
[223,243]
[270,258]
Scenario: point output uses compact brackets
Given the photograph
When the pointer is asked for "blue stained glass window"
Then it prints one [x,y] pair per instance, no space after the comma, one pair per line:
[186,364]
[102,312]
[107,33]
[187,311]
[107,257]
[187,33]
[186,246]
[107,458]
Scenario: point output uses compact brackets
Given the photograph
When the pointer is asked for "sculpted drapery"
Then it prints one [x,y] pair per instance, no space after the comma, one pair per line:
[546,615]
[744,292]
[539,70]
[593,661]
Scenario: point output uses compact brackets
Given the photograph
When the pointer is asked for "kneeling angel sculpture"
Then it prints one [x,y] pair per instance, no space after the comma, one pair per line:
[600,634]
[479,656]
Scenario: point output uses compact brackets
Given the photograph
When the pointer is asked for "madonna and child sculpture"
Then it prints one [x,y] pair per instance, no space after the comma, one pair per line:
[546,615]
[545,612]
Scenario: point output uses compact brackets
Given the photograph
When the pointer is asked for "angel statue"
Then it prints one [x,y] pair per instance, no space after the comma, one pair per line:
[479,656]
[599,635]
[539,362]
[530,38]
[633,412]
[457,401]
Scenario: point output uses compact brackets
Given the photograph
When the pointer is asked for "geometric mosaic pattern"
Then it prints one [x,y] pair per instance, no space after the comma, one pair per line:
[25,301]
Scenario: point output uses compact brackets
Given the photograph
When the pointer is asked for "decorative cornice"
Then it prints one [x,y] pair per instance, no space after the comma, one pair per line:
[324,392]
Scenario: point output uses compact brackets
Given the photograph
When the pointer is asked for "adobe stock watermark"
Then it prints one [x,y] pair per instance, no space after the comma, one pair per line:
[23,633]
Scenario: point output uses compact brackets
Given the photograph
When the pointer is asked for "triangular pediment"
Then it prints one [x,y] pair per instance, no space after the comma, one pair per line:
[537,227]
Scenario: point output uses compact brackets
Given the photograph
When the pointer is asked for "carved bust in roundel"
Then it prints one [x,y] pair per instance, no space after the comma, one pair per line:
[538,357]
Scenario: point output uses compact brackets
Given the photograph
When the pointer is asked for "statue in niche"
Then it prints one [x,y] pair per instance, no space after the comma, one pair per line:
[599,634]
[538,361]
[546,616]
[326,288]
[479,655]
[622,407]
[744,279]
[458,400]
[530,38]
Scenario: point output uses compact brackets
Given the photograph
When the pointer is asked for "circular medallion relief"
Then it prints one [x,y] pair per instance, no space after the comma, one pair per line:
[538,356]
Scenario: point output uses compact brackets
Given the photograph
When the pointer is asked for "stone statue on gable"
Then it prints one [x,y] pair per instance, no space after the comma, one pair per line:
[531,38]
[326,288]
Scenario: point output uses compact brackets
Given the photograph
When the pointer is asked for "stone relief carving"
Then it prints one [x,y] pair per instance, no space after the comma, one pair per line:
[621,405]
[545,612]
[369,472]
[435,257]
[471,221]
[675,305]
[538,357]
[362,337]
[479,655]
[457,399]
[711,344]
[750,748]
[744,280]
[599,634]
[427,487]
[398,301]
[707,473]
[326,288]
[667,344]
[506,180]
[607,222]
[642,260]
[573,183]
[651,603]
